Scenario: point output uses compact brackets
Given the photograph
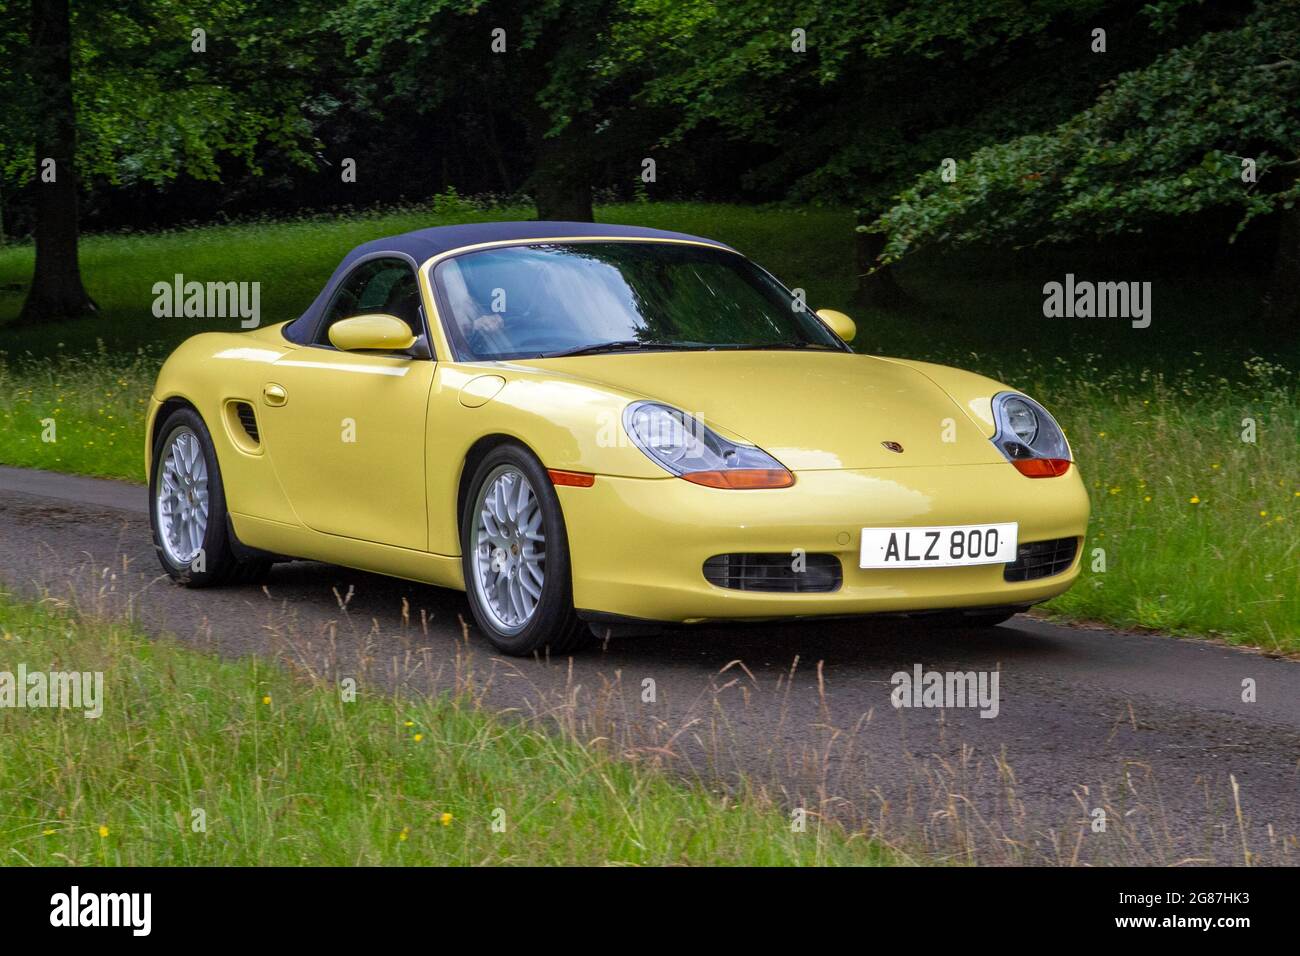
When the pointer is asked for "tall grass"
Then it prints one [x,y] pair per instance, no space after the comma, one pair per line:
[1195,489]
[198,761]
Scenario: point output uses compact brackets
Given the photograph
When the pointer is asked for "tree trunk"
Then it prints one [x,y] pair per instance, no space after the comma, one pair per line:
[498,157]
[878,289]
[56,292]
[1282,298]
[561,180]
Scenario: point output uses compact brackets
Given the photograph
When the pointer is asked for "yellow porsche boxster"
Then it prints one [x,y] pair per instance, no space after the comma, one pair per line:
[590,426]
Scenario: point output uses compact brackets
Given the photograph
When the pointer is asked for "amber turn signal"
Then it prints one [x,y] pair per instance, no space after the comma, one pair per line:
[571,479]
[742,478]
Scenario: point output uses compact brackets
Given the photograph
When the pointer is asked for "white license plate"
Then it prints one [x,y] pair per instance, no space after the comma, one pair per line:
[946,547]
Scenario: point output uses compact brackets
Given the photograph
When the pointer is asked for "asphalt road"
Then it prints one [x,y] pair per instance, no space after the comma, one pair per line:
[1150,730]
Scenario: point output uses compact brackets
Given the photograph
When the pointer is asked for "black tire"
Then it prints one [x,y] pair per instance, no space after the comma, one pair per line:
[220,563]
[554,625]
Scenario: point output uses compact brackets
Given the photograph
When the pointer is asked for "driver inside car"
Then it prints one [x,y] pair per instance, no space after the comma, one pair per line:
[482,329]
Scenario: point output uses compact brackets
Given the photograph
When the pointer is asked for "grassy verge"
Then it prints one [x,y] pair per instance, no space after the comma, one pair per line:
[286,773]
[1194,530]
[78,413]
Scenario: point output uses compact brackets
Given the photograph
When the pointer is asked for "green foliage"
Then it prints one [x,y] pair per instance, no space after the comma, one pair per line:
[150,107]
[1166,140]
[882,89]
[554,70]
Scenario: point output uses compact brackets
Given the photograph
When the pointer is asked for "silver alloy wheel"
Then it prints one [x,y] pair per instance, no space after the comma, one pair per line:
[509,549]
[181,497]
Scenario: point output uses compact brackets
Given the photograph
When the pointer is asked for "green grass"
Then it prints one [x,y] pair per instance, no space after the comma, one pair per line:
[1200,530]
[286,773]
[1169,400]
[79,413]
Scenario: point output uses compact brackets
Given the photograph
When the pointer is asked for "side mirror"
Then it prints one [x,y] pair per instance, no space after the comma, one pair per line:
[840,323]
[385,333]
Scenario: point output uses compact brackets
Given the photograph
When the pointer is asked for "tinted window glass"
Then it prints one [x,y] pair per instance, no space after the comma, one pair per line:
[380,285]
[529,301]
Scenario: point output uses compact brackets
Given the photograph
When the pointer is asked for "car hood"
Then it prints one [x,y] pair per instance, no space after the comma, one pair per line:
[811,410]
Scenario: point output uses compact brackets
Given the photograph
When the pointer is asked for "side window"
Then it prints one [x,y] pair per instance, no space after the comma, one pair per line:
[380,285]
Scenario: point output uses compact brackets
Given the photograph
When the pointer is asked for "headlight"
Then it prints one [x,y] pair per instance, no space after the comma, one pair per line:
[686,447]
[1021,418]
[1029,437]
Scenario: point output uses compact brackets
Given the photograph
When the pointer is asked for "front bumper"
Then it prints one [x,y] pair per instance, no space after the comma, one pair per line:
[638,546]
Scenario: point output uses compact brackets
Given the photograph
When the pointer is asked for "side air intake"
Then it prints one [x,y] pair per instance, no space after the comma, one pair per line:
[248,419]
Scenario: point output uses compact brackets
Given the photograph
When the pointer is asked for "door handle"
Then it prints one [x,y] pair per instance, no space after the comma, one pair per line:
[274,394]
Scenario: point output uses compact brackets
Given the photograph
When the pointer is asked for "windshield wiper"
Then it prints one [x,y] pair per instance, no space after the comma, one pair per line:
[784,345]
[633,345]
[620,345]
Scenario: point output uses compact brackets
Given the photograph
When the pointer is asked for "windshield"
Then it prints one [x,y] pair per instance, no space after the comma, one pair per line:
[585,297]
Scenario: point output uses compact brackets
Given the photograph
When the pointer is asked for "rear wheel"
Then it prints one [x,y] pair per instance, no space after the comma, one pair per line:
[516,556]
[188,508]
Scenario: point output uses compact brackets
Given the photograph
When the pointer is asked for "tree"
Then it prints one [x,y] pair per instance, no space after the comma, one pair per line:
[142,90]
[843,101]
[56,290]
[545,66]
[1214,123]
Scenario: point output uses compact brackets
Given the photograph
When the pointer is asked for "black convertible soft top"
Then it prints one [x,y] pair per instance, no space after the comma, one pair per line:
[423,244]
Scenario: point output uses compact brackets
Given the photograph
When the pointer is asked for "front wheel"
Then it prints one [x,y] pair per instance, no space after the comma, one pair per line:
[516,556]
